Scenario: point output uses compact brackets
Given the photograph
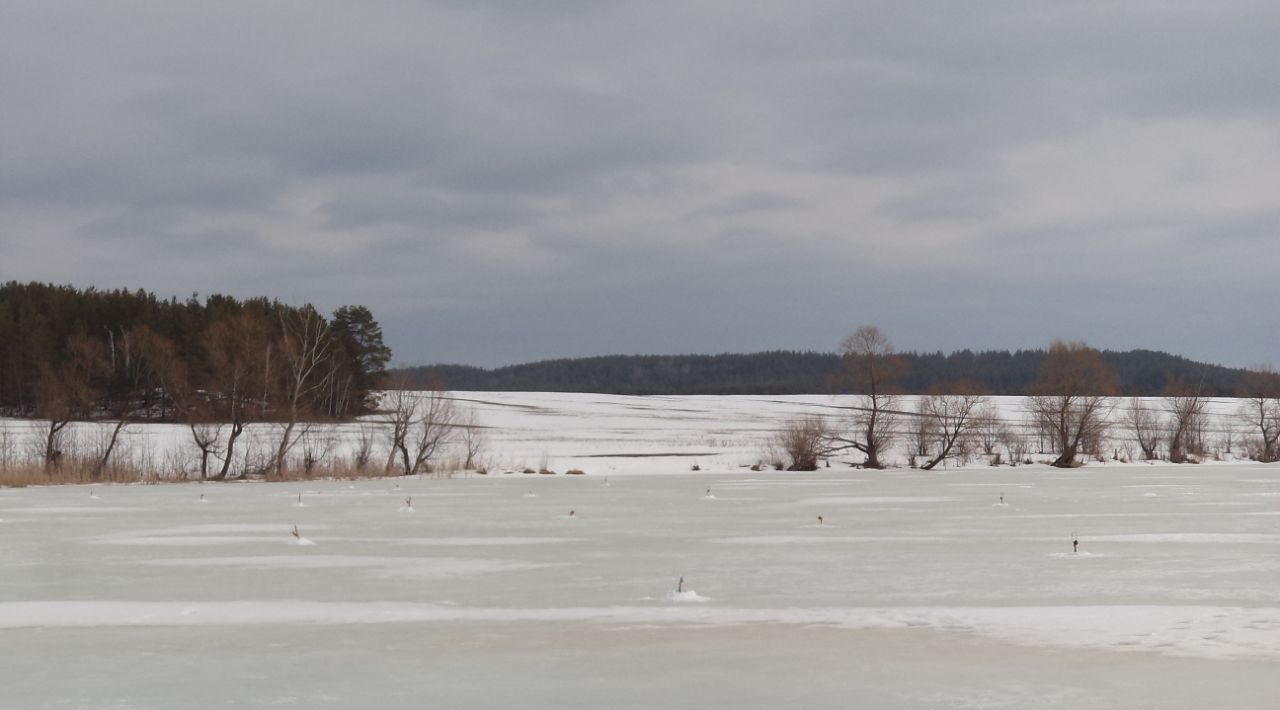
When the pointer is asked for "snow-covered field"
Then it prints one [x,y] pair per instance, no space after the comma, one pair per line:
[917,590]
[606,434]
[612,434]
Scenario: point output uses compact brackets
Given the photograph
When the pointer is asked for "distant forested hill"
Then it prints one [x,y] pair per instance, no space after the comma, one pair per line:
[1139,372]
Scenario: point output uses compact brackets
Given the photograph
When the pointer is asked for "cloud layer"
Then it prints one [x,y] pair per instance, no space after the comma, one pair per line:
[506,181]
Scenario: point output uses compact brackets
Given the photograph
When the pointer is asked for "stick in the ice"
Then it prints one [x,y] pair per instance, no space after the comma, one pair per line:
[680,586]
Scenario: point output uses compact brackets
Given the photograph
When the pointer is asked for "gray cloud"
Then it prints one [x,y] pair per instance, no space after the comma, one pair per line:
[507,180]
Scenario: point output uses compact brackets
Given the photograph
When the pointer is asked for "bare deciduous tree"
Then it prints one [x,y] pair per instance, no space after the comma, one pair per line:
[306,368]
[205,435]
[66,392]
[315,449]
[1070,398]
[953,419]
[1261,409]
[141,363]
[987,427]
[420,423]
[1014,439]
[870,369]
[399,406]
[474,438]
[920,433]
[1146,427]
[239,353]
[436,425]
[365,437]
[1186,405]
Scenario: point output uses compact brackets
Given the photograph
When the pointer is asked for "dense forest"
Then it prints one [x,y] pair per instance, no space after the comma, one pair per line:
[70,354]
[1138,373]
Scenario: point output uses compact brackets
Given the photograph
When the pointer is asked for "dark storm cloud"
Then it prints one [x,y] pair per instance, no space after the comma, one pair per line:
[504,180]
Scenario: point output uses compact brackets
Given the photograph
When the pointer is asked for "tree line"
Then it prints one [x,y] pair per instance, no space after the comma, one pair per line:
[1072,405]
[1136,373]
[69,354]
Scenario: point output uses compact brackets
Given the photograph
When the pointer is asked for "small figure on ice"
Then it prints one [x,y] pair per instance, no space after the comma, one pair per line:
[571,514]
[821,521]
[298,539]
[680,586]
[1075,544]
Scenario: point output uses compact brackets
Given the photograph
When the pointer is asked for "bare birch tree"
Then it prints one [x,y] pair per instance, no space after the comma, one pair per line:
[305,350]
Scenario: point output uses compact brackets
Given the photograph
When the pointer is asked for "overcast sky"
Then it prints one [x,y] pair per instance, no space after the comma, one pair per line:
[514,180]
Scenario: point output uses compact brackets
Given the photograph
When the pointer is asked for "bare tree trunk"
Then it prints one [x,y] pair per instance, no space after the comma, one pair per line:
[236,429]
[1187,408]
[101,465]
[52,445]
[1145,426]
[954,420]
[206,438]
[473,438]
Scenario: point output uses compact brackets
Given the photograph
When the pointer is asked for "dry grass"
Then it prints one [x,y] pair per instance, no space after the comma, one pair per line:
[22,475]
[339,469]
[21,472]
[30,474]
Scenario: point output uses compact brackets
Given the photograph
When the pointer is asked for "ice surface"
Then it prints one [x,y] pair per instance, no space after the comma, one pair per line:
[917,593]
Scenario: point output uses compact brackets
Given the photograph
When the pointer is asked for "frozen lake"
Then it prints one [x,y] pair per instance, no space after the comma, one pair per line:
[918,591]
